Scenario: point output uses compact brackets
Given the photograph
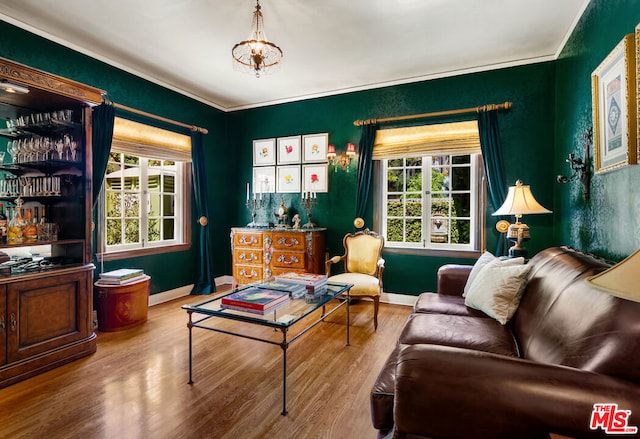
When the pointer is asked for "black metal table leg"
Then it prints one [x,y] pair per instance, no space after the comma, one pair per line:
[348,319]
[190,326]
[284,345]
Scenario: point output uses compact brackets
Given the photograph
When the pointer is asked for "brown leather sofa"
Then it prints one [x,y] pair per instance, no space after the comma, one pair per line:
[457,373]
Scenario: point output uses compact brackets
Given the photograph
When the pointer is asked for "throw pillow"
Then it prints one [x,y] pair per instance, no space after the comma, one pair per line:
[497,290]
[482,261]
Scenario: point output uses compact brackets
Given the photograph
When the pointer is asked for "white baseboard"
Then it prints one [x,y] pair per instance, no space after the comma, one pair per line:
[398,299]
[166,296]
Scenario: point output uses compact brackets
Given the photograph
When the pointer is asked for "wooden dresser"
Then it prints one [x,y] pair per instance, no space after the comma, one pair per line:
[260,253]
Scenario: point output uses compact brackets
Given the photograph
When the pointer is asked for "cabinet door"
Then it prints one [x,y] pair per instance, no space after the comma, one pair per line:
[3,325]
[46,313]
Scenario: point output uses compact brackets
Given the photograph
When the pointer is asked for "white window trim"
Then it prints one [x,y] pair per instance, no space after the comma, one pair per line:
[123,251]
[478,202]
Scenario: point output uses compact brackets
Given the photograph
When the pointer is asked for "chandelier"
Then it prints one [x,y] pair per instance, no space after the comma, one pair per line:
[256,54]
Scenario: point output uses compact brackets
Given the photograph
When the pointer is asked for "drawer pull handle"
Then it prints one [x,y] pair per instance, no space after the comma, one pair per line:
[292,260]
[283,241]
[243,256]
[246,239]
[244,273]
[2,324]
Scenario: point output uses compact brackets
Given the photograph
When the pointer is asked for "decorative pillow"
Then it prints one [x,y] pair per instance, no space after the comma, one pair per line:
[482,261]
[497,290]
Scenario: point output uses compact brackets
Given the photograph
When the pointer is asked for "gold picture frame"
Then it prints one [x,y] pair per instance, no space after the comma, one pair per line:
[614,105]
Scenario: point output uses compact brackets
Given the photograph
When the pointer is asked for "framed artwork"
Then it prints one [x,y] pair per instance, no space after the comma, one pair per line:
[289,150]
[314,147]
[264,152]
[613,89]
[288,179]
[314,178]
[264,179]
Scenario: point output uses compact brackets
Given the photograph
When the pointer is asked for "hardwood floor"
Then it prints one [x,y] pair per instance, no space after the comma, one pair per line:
[135,385]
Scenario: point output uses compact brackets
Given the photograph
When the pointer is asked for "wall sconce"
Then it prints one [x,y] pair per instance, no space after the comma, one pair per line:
[581,168]
[343,159]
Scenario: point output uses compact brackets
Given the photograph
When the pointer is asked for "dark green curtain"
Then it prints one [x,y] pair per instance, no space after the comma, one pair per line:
[493,166]
[365,167]
[205,283]
[102,133]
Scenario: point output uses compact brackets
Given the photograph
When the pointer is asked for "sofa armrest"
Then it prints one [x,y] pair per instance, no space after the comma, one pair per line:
[442,391]
[452,279]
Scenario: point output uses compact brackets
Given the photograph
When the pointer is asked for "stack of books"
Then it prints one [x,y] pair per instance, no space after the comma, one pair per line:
[296,290]
[122,276]
[315,284]
[255,300]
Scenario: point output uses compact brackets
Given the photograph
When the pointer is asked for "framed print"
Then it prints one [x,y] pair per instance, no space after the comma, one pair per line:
[264,180]
[314,147]
[289,150]
[288,179]
[314,178]
[264,152]
[613,89]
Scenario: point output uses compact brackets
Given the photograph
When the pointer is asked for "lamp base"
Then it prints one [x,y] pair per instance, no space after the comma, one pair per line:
[517,251]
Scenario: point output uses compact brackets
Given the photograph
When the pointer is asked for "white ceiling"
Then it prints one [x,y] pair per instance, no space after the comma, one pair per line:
[330,46]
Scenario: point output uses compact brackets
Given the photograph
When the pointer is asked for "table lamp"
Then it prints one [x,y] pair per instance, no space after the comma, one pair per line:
[519,201]
[621,280]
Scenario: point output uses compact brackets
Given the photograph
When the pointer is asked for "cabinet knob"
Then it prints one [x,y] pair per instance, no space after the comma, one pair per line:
[2,324]
[12,323]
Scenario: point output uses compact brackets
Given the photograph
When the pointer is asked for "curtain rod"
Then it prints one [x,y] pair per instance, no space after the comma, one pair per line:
[488,107]
[163,119]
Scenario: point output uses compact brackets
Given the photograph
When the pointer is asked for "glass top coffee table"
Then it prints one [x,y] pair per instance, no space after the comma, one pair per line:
[282,319]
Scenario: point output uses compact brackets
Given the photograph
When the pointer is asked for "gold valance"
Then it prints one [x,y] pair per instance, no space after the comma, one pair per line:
[146,141]
[444,138]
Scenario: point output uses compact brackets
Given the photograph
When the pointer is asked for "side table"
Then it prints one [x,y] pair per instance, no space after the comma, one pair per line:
[122,306]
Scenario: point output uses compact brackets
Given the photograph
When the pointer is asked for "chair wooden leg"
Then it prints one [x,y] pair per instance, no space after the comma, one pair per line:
[376,305]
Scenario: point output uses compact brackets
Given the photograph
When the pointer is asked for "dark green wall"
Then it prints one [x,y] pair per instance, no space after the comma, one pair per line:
[170,270]
[607,225]
[526,132]
[552,107]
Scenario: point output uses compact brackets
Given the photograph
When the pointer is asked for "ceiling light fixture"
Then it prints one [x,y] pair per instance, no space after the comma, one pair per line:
[256,54]
[10,87]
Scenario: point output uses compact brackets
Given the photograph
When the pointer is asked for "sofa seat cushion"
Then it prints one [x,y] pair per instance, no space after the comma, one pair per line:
[442,304]
[480,334]
[382,394]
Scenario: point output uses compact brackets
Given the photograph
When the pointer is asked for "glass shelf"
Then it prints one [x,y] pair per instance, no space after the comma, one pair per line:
[40,129]
[47,167]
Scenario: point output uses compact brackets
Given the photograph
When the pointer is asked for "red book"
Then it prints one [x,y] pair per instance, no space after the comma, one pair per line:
[260,299]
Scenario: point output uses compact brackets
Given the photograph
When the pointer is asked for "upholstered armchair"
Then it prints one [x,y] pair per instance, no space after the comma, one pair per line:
[363,266]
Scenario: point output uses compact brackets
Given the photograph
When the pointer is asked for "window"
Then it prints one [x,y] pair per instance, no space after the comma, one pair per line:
[430,189]
[431,202]
[145,201]
[142,202]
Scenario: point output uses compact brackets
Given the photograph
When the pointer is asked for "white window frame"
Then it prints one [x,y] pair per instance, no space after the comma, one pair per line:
[477,197]
[182,215]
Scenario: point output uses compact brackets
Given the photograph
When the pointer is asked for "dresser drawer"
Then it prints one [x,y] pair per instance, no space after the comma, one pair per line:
[288,259]
[247,256]
[245,274]
[247,239]
[288,241]
[281,270]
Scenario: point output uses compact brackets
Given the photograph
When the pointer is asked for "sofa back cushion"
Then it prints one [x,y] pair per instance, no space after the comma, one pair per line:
[563,320]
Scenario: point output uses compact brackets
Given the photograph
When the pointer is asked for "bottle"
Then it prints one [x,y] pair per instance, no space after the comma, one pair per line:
[14,233]
[29,231]
[3,225]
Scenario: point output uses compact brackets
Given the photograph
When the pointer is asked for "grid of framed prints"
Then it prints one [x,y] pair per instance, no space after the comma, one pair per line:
[291,164]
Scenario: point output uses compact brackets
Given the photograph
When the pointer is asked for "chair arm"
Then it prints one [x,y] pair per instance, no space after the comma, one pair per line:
[452,279]
[329,262]
[442,391]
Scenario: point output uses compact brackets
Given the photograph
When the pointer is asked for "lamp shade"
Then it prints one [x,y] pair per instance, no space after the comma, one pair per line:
[622,280]
[520,201]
